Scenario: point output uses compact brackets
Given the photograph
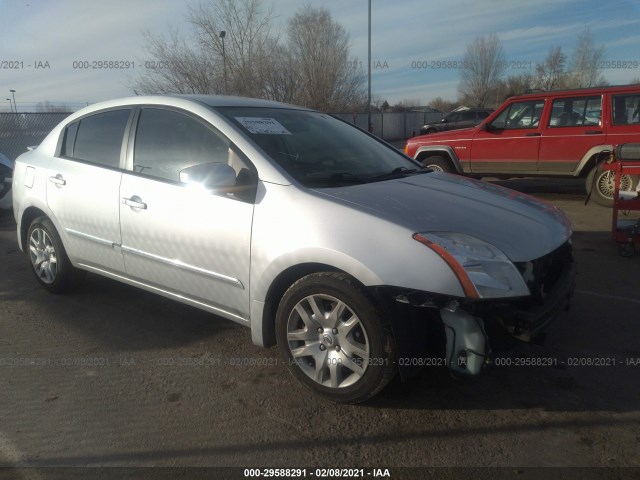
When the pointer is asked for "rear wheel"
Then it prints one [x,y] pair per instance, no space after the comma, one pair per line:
[334,338]
[601,184]
[49,261]
[438,163]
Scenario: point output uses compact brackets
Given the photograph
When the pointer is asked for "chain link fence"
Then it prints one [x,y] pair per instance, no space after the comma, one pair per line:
[21,130]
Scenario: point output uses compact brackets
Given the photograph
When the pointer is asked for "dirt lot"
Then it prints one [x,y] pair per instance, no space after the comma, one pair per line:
[113,376]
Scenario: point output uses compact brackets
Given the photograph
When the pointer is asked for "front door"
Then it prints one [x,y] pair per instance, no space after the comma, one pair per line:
[180,238]
[510,143]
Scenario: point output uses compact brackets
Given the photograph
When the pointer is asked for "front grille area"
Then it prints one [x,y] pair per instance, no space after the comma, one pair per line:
[542,274]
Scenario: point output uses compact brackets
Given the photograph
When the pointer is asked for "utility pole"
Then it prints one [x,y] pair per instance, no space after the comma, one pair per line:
[223,34]
[369,124]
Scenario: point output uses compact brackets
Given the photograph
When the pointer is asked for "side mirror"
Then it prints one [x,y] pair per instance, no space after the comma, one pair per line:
[210,176]
[444,120]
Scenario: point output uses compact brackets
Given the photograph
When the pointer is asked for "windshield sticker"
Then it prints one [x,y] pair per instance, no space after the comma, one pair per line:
[263,126]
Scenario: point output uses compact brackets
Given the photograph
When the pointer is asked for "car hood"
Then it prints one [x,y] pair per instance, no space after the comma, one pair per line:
[456,133]
[523,227]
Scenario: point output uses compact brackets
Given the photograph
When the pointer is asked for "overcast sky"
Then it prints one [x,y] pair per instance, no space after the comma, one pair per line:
[45,38]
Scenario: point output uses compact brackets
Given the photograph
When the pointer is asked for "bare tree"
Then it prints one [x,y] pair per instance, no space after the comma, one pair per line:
[320,49]
[311,69]
[248,41]
[177,67]
[279,81]
[510,86]
[405,105]
[484,65]
[585,63]
[442,105]
[550,73]
[198,64]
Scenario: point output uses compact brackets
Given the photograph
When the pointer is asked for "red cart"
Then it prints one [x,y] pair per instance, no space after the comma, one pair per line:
[625,228]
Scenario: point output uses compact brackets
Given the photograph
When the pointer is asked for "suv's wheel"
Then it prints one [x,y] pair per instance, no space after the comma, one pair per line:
[49,261]
[438,164]
[603,185]
[334,339]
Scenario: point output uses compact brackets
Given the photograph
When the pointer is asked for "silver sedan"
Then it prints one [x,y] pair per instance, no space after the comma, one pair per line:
[354,259]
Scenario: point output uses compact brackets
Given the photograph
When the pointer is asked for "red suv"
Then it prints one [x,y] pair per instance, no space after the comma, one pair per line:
[550,134]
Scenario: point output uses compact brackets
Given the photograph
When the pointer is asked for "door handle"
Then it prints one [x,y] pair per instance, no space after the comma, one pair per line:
[135,202]
[593,132]
[535,134]
[58,180]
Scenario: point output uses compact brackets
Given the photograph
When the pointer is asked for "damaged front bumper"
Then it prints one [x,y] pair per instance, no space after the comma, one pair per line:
[473,330]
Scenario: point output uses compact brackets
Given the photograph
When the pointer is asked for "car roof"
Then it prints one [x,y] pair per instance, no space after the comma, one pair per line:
[579,91]
[183,101]
[233,101]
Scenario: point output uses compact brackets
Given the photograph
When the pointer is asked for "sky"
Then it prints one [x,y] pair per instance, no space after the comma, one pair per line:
[415,44]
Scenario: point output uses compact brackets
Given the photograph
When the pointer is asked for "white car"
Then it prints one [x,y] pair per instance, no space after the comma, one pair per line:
[314,234]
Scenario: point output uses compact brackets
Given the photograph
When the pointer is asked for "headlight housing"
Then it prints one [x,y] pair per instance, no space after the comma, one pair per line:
[482,269]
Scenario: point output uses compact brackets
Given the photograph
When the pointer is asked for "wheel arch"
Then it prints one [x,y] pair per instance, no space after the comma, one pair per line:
[445,152]
[591,158]
[28,216]
[264,332]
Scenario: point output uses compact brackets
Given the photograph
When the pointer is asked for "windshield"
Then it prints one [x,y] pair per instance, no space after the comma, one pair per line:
[319,150]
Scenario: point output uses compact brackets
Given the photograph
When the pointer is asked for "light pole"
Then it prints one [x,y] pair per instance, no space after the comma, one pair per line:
[13,94]
[224,60]
[369,125]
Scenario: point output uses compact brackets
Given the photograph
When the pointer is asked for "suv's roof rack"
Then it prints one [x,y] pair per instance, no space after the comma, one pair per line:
[568,90]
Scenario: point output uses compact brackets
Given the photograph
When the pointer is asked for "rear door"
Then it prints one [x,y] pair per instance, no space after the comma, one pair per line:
[184,239]
[83,184]
[573,127]
[510,142]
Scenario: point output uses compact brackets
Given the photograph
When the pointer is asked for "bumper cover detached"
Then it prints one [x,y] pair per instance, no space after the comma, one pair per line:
[464,334]
[552,289]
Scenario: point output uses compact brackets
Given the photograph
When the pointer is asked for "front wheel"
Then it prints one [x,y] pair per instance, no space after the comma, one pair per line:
[49,261]
[334,338]
[601,184]
[438,163]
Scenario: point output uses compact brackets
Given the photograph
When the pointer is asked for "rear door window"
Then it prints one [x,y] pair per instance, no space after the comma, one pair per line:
[99,137]
[576,112]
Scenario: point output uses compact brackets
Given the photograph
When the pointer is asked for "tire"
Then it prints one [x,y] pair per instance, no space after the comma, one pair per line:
[48,258]
[354,345]
[438,163]
[604,185]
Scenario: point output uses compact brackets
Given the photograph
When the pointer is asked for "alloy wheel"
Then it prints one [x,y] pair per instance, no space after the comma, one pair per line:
[43,255]
[328,341]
